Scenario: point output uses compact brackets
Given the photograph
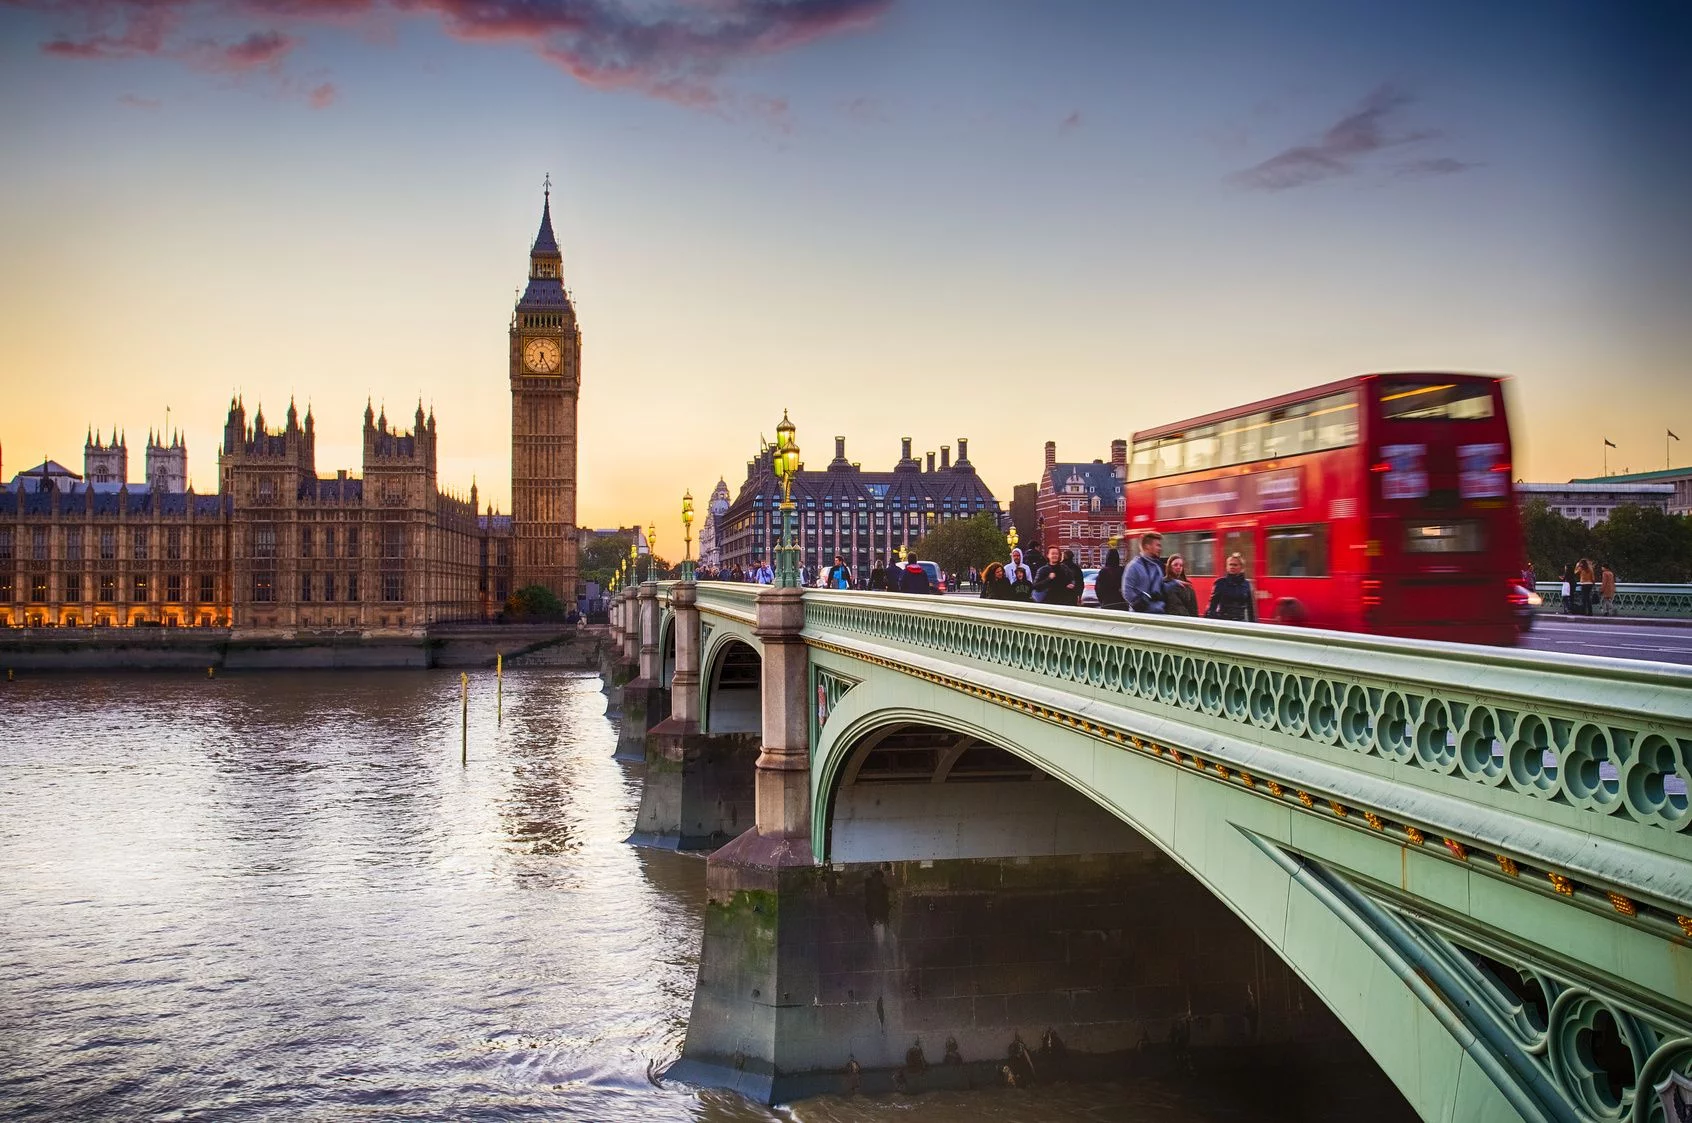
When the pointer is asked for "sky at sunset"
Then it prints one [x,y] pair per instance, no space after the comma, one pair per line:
[1012,222]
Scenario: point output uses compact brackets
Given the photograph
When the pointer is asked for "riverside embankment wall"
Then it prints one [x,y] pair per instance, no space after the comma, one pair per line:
[36,650]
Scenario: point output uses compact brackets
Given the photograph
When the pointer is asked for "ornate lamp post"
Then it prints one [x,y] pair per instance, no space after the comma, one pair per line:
[652,551]
[634,561]
[687,531]
[1011,539]
[786,465]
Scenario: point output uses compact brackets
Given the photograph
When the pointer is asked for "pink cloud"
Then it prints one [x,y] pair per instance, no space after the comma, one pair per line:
[676,50]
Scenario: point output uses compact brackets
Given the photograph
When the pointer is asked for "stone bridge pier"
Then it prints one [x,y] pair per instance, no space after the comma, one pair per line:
[698,789]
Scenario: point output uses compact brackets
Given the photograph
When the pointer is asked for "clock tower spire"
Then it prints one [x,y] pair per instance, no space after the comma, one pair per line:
[545,371]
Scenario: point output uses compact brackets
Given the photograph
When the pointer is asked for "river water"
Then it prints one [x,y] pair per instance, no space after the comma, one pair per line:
[282,896]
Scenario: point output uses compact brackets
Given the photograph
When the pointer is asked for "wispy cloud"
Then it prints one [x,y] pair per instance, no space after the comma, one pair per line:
[1352,144]
[1071,122]
[136,101]
[671,49]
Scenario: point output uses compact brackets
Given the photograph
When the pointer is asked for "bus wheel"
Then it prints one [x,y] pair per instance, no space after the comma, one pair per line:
[1289,611]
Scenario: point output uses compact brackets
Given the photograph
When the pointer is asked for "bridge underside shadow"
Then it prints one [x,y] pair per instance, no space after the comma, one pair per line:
[698,790]
[979,922]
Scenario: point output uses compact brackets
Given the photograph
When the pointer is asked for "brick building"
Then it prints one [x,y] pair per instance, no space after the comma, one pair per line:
[1082,506]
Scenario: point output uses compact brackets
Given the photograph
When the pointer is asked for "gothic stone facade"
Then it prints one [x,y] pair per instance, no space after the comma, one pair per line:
[276,547]
[545,362]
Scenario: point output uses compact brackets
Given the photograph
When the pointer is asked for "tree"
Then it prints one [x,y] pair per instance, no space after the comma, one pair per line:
[956,545]
[1553,541]
[602,555]
[1645,544]
[534,602]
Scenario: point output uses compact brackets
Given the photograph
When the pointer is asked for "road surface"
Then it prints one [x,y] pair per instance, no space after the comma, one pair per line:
[1665,643]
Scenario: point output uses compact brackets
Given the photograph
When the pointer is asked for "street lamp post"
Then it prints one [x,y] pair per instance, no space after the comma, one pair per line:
[1011,539]
[786,465]
[687,531]
[634,562]
[652,551]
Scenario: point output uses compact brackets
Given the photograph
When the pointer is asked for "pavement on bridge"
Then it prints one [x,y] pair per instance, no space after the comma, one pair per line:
[1664,641]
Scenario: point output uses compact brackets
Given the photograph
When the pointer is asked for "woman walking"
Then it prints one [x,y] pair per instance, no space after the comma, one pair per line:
[994,584]
[1179,596]
[1231,597]
[1108,584]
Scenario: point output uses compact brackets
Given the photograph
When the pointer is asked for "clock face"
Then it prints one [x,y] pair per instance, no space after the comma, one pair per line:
[541,356]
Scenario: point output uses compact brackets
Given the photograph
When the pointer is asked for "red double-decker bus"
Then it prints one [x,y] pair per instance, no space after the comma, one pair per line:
[1380,504]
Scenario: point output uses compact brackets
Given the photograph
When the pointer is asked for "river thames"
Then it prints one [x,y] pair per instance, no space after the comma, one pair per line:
[281,896]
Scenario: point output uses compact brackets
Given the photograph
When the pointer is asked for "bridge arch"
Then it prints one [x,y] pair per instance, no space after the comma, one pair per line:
[731,687]
[1247,853]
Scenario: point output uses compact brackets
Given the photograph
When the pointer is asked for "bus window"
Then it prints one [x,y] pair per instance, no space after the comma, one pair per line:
[1240,542]
[1437,401]
[1336,421]
[1298,551]
[1201,450]
[1145,455]
[1197,546]
[1286,435]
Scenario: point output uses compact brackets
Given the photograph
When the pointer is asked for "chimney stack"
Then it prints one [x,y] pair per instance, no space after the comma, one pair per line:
[1119,453]
[963,451]
[945,457]
[931,462]
[1051,454]
[840,448]
[904,448]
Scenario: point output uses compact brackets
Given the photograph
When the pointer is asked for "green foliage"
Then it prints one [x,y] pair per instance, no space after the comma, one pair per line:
[1553,541]
[1641,544]
[961,543]
[534,602]
[601,556]
[1645,544]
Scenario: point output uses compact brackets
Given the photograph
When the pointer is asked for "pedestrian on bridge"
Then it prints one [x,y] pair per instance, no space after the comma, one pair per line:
[1606,591]
[1108,583]
[1179,596]
[1142,581]
[1231,598]
[1020,576]
[878,577]
[995,585]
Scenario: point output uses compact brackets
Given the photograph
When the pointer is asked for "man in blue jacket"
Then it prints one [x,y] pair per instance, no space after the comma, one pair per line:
[1142,581]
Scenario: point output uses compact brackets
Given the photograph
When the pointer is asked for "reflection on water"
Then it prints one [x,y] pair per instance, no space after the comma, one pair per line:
[282,897]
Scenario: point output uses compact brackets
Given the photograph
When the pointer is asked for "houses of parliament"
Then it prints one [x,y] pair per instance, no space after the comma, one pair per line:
[279,546]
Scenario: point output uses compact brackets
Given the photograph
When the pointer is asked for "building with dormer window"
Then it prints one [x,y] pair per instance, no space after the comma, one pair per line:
[1081,506]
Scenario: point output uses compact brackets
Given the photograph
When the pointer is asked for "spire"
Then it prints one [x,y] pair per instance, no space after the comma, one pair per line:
[545,241]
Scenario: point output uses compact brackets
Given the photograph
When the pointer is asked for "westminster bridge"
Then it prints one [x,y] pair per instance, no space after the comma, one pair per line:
[953,838]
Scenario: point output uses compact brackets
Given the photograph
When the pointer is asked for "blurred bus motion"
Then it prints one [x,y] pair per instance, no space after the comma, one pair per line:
[1380,504]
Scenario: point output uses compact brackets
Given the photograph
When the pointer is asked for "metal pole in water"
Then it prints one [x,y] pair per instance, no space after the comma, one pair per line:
[464,718]
[499,688]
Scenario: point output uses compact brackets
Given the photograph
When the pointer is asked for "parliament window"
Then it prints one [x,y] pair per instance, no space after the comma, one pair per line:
[38,587]
[263,589]
[208,588]
[138,588]
[352,586]
[138,543]
[38,543]
[352,541]
[73,586]
[173,543]
[6,588]
[108,544]
[305,587]
[328,586]
[108,588]
[73,543]
[393,586]
[173,588]
[305,543]
[5,545]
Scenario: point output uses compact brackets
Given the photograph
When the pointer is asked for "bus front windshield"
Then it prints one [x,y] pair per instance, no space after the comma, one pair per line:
[1436,401]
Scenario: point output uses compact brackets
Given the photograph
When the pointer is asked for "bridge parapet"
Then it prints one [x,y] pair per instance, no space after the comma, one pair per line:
[1662,601]
[1440,737]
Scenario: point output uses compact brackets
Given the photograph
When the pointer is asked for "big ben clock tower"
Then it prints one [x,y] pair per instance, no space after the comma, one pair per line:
[546,352]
